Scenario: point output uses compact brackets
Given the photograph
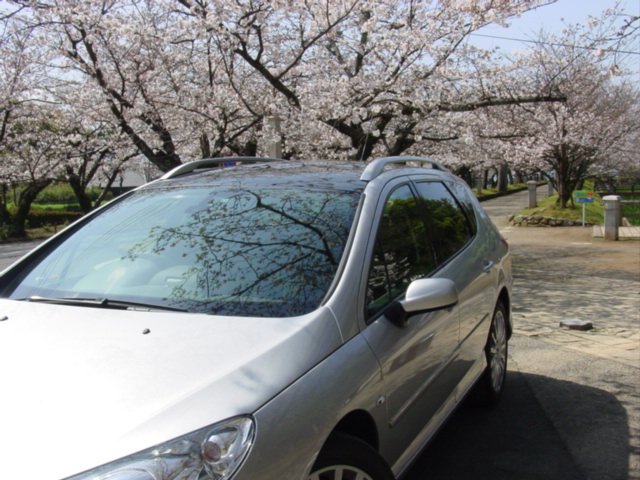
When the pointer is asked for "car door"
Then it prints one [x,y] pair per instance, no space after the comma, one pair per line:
[465,257]
[414,358]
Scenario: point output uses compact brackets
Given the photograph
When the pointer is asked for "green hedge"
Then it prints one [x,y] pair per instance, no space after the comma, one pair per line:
[43,218]
[63,193]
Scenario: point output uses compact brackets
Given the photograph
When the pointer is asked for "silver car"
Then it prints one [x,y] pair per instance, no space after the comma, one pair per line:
[270,320]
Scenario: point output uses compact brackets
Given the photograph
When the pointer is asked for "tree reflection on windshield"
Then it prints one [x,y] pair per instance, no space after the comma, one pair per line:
[267,253]
[257,252]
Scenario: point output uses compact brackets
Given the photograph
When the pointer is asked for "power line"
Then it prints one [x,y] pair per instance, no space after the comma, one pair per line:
[537,42]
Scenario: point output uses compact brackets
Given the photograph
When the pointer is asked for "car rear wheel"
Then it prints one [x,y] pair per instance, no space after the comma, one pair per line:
[348,458]
[491,385]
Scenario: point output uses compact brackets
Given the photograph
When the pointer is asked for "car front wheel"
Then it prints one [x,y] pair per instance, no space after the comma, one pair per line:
[348,458]
[492,382]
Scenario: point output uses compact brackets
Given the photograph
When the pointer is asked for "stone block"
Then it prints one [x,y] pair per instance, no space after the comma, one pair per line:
[576,324]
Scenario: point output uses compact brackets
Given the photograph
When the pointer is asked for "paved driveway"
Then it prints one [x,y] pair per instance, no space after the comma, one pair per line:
[10,252]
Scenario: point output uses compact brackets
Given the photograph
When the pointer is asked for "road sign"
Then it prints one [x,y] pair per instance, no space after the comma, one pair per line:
[583,194]
[583,197]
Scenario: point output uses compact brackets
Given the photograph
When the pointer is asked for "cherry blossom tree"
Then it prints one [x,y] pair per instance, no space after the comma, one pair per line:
[189,78]
[164,86]
[588,135]
[93,156]
[97,151]
[33,154]
[45,134]
[361,78]
[186,79]
[27,124]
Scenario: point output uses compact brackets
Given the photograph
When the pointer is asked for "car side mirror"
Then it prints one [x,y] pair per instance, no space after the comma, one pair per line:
[424,295]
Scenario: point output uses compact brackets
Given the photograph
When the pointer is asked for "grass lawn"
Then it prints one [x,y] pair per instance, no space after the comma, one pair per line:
[547,207]
[55,207]
[493,191]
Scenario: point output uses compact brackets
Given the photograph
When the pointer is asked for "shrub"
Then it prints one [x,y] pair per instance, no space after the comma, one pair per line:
[63,193]
[5,231]
[43,218]
[57,193]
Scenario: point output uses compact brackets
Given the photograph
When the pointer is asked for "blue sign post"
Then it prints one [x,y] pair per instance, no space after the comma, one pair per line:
[583,197]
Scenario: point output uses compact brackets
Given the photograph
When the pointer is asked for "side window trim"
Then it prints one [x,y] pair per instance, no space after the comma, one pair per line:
[363,306]
[400,254]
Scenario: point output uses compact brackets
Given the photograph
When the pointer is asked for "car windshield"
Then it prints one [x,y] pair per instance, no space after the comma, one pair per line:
[229,251]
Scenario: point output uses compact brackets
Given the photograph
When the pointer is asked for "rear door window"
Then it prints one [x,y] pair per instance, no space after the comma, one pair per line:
[446,221]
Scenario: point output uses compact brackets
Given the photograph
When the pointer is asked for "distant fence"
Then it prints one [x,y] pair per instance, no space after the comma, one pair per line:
[629,193]
[616,187]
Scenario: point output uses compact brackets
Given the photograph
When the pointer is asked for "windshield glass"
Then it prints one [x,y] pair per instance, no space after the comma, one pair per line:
[255,252]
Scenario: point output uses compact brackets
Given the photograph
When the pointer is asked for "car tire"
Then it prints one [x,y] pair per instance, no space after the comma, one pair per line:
[492,382]
[345,457]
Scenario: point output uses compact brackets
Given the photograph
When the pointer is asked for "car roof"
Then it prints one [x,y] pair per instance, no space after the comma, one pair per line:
[297,174]
[269,172]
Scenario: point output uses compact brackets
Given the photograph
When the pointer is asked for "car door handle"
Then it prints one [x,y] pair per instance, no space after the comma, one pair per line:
[488,266]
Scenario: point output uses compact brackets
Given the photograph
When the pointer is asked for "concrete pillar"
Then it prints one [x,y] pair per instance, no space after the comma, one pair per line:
[275,146]
[550,189]
[479,180]
[611,216]
[533,201]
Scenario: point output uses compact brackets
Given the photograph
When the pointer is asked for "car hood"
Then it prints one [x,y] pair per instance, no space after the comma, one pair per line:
[84,386]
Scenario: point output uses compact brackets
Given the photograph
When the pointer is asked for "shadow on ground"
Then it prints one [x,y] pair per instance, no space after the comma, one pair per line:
[516,440]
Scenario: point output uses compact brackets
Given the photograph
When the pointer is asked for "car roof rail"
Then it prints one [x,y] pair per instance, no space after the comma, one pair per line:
[376,167]
[212,163]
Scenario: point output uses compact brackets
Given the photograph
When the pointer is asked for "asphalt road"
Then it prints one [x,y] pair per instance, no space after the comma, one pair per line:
[570,409]
[10,252]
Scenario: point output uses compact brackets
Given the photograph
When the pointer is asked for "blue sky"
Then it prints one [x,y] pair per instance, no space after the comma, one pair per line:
[549,18]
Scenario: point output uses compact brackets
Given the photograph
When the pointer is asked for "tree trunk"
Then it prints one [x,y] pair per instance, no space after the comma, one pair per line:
[503,178]
[565,186]
[79,190]
[466,174]
[205,145]
[27,197]
[103,195]
[5,216]
[563,173]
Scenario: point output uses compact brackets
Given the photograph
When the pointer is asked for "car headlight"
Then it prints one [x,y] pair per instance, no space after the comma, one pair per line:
[212,453]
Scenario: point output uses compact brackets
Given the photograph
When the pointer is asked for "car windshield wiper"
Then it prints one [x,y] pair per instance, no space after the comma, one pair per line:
[102,303]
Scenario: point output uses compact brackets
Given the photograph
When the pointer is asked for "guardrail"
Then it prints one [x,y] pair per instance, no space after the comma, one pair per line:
[617,187]
[613,215]
[629,203]
[626,200]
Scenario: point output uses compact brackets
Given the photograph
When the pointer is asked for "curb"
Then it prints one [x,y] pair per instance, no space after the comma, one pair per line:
[541,221]
[492,196]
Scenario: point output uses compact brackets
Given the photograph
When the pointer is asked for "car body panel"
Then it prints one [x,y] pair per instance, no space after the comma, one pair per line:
[293,427]
[415,362]
[92,387]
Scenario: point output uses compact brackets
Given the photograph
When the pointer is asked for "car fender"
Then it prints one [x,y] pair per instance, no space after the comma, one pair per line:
[291,428]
